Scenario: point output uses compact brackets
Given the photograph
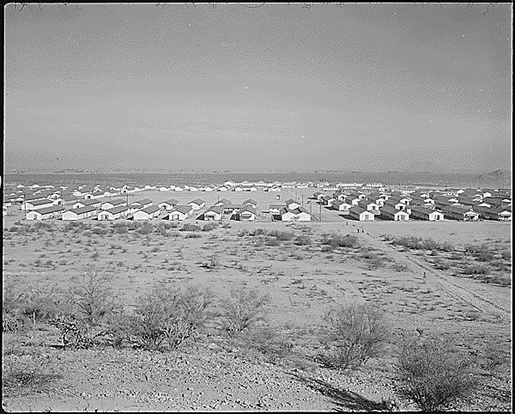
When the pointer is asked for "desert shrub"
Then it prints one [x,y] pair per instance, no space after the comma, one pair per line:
[189,227]
[482,252]
[12,295]
[337,240]
[93,295]
[117,329]
[282,235]
[210,226]
[12,322]
[476,269]
[441,265]
[100,230]
[162,229]
[506,255]
[432,374]
[273,344]
[167,316]
[271,241]
[12,303]
[145,228]
[302,240]
[258,232]
[387,237]
[192,236]
[244,310]
[42,225]
[120,227]
[419,243]
[212,262]
[400,267]
[353,334]
[500,280]
[493,357]
[43,303]
[430,244]
[446,247]
[77,333]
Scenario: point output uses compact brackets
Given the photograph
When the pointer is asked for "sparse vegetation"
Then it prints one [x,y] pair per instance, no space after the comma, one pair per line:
[432,374]
[336,240]
[167,316]
[75,328]
[353,334]
[93,295]
[419,243]
[243,310]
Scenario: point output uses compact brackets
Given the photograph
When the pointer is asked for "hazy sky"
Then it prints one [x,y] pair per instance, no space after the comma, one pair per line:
[280,87]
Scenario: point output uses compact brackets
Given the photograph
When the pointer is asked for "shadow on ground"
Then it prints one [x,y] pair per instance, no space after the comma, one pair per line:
[344,400]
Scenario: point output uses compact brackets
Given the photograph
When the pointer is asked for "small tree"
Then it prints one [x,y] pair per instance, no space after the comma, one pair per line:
[243,310]
[169,316]
[432,374]
[12,301]
[354,334]
[94,296]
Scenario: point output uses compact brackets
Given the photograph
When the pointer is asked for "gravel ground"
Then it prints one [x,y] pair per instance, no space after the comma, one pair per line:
[209,378]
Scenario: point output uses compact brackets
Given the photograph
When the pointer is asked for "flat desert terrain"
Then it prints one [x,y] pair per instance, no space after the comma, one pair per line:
[433,291]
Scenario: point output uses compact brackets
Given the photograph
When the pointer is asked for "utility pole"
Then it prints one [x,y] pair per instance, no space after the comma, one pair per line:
[320,212]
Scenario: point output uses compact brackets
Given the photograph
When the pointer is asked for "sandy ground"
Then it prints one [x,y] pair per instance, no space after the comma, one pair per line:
[303,282]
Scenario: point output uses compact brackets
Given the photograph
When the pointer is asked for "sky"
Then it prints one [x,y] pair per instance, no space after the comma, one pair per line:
[236,87]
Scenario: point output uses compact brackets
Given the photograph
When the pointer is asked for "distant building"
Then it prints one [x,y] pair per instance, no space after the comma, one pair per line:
[197,204]
[113,213]
[180,212]
[391,213]
[212,213]
[79,213]
[45,213]
[361,214]
[424,213]
[246,213]
[460,213]
[147,213]
[296,214]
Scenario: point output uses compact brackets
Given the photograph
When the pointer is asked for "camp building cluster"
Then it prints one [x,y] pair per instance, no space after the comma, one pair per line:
[352,201]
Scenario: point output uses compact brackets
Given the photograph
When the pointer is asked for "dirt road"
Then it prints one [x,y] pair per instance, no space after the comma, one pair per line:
[453,286]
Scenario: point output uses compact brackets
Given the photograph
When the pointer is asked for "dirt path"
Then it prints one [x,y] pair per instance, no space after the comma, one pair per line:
[452,287]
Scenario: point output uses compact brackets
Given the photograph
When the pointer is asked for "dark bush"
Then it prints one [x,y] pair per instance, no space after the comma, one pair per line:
[337,240]
[210,226]
[168,316]
[476,269]
[120,227]
[93,295]
[281,235]
[302,240]
[242,311]
[145,228]
[189,227]
[353,334]
[432,374]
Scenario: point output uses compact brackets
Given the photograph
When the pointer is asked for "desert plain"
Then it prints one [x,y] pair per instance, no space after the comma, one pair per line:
[420,291]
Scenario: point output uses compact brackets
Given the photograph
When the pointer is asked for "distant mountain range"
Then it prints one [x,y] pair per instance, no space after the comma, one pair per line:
[497,178]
